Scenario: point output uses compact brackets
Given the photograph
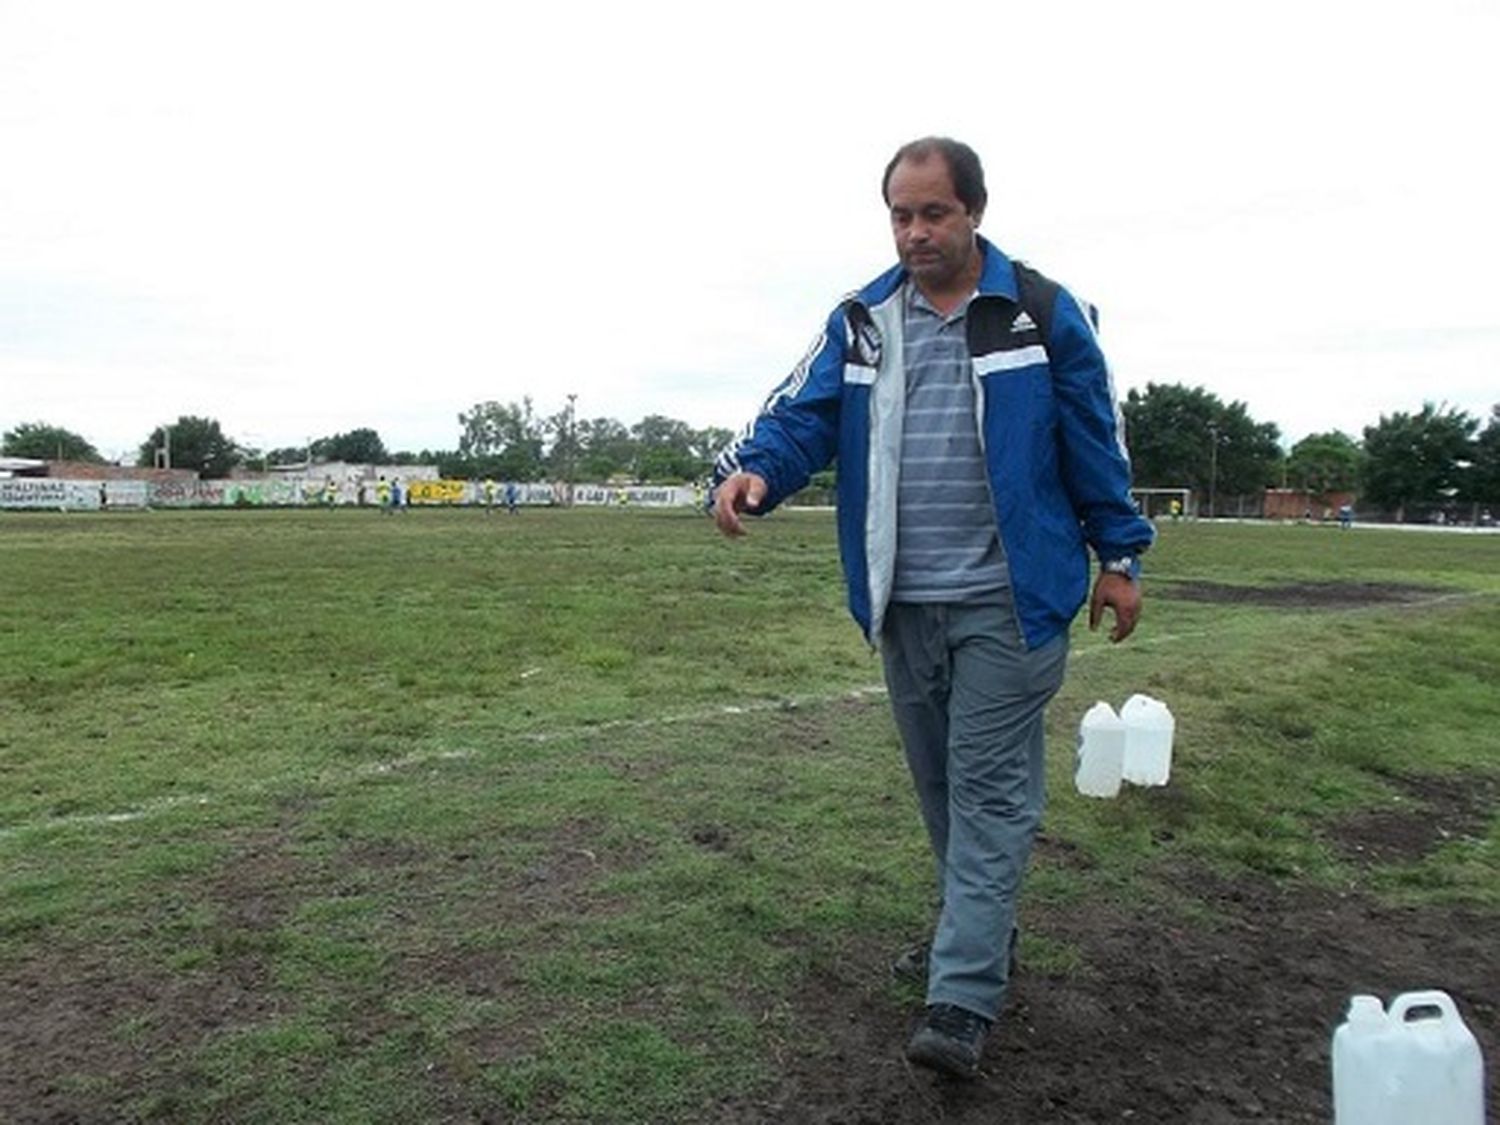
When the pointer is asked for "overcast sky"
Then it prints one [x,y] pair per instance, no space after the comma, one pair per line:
[302,218]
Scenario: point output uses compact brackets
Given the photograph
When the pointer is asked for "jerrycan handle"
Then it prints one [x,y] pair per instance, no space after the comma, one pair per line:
[1404,1005]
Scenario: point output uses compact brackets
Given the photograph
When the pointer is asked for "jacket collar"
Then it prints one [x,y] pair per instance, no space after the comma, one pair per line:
[998,277]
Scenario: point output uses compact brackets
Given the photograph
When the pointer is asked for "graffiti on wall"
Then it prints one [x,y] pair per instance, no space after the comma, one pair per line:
[44,492]
[186,493]
[437,491]
[649,496]
[261,493]
[75,495]
[125,494]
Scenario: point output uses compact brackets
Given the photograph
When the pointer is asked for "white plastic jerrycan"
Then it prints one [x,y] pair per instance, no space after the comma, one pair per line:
[1148,740]
[1101,752]
[1415,1063]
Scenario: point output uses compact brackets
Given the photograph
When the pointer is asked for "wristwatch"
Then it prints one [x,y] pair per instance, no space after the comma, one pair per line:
[1126,567]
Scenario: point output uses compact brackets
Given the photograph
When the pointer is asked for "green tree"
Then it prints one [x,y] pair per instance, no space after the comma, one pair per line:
[1324,463]
[707,444]
[358,447]
[42,442]
[1417,458]
[194,443]
[451,464]
[1484,477]
[506,439]
[564,445]
[664,450]
[286,455]
[605,448]
[1186,436]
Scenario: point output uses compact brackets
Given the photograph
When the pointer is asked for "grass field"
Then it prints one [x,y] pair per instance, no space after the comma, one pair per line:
[333,817]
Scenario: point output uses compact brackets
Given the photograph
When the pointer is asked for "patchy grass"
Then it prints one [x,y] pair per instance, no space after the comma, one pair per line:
[319,816]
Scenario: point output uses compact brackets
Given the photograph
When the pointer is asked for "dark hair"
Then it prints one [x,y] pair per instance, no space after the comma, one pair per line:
[963,167]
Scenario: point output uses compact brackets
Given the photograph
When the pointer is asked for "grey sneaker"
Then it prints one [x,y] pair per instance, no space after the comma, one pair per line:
[949,1040]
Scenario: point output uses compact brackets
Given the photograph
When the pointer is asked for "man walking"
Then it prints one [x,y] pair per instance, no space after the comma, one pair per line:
[980,453]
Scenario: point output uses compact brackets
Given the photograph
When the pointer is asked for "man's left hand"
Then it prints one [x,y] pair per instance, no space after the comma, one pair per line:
[1121,594]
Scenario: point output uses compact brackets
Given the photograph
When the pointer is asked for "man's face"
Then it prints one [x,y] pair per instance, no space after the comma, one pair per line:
[934,233]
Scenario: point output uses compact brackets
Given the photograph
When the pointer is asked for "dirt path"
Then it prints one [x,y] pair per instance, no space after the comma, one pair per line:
[1221,1021]
[1224,1018]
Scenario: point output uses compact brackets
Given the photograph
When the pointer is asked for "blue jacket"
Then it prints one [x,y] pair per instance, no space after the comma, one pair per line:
[1048,421]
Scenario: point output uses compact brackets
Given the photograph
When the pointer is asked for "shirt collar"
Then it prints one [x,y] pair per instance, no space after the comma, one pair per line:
[997,278]
[917,302]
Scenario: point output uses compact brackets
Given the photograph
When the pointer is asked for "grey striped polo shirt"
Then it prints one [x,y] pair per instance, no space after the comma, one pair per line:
[947,547]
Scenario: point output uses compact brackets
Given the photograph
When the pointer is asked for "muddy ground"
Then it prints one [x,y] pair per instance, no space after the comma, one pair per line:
[1303,595]
[1228,1021]
[1225,1018]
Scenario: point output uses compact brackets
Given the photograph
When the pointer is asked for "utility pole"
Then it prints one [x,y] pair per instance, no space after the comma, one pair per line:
[1213,467]
[572,443]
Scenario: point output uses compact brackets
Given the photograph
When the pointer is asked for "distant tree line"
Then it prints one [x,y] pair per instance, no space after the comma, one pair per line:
[510,441]
[42,442]
[1188,437]
[1179,437]
[502,441]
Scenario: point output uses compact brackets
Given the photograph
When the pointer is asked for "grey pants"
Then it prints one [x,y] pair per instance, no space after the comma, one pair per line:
[969,701]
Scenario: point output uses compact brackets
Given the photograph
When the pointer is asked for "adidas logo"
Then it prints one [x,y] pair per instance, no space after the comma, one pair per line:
[1023,323]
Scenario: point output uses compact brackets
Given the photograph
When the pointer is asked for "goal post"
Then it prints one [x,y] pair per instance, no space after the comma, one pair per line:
[1158,503]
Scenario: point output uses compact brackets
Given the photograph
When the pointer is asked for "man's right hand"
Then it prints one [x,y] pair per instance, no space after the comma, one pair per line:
[740,492]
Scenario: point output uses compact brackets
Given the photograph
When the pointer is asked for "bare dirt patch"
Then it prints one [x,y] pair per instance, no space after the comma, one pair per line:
[1433,810]
[130,1024]
[1167,1022]
[1302,595]
[1223,1017]
[80,1010]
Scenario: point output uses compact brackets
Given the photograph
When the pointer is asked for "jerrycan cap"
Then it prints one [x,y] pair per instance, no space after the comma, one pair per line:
[1101,714]
[1365,1010]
